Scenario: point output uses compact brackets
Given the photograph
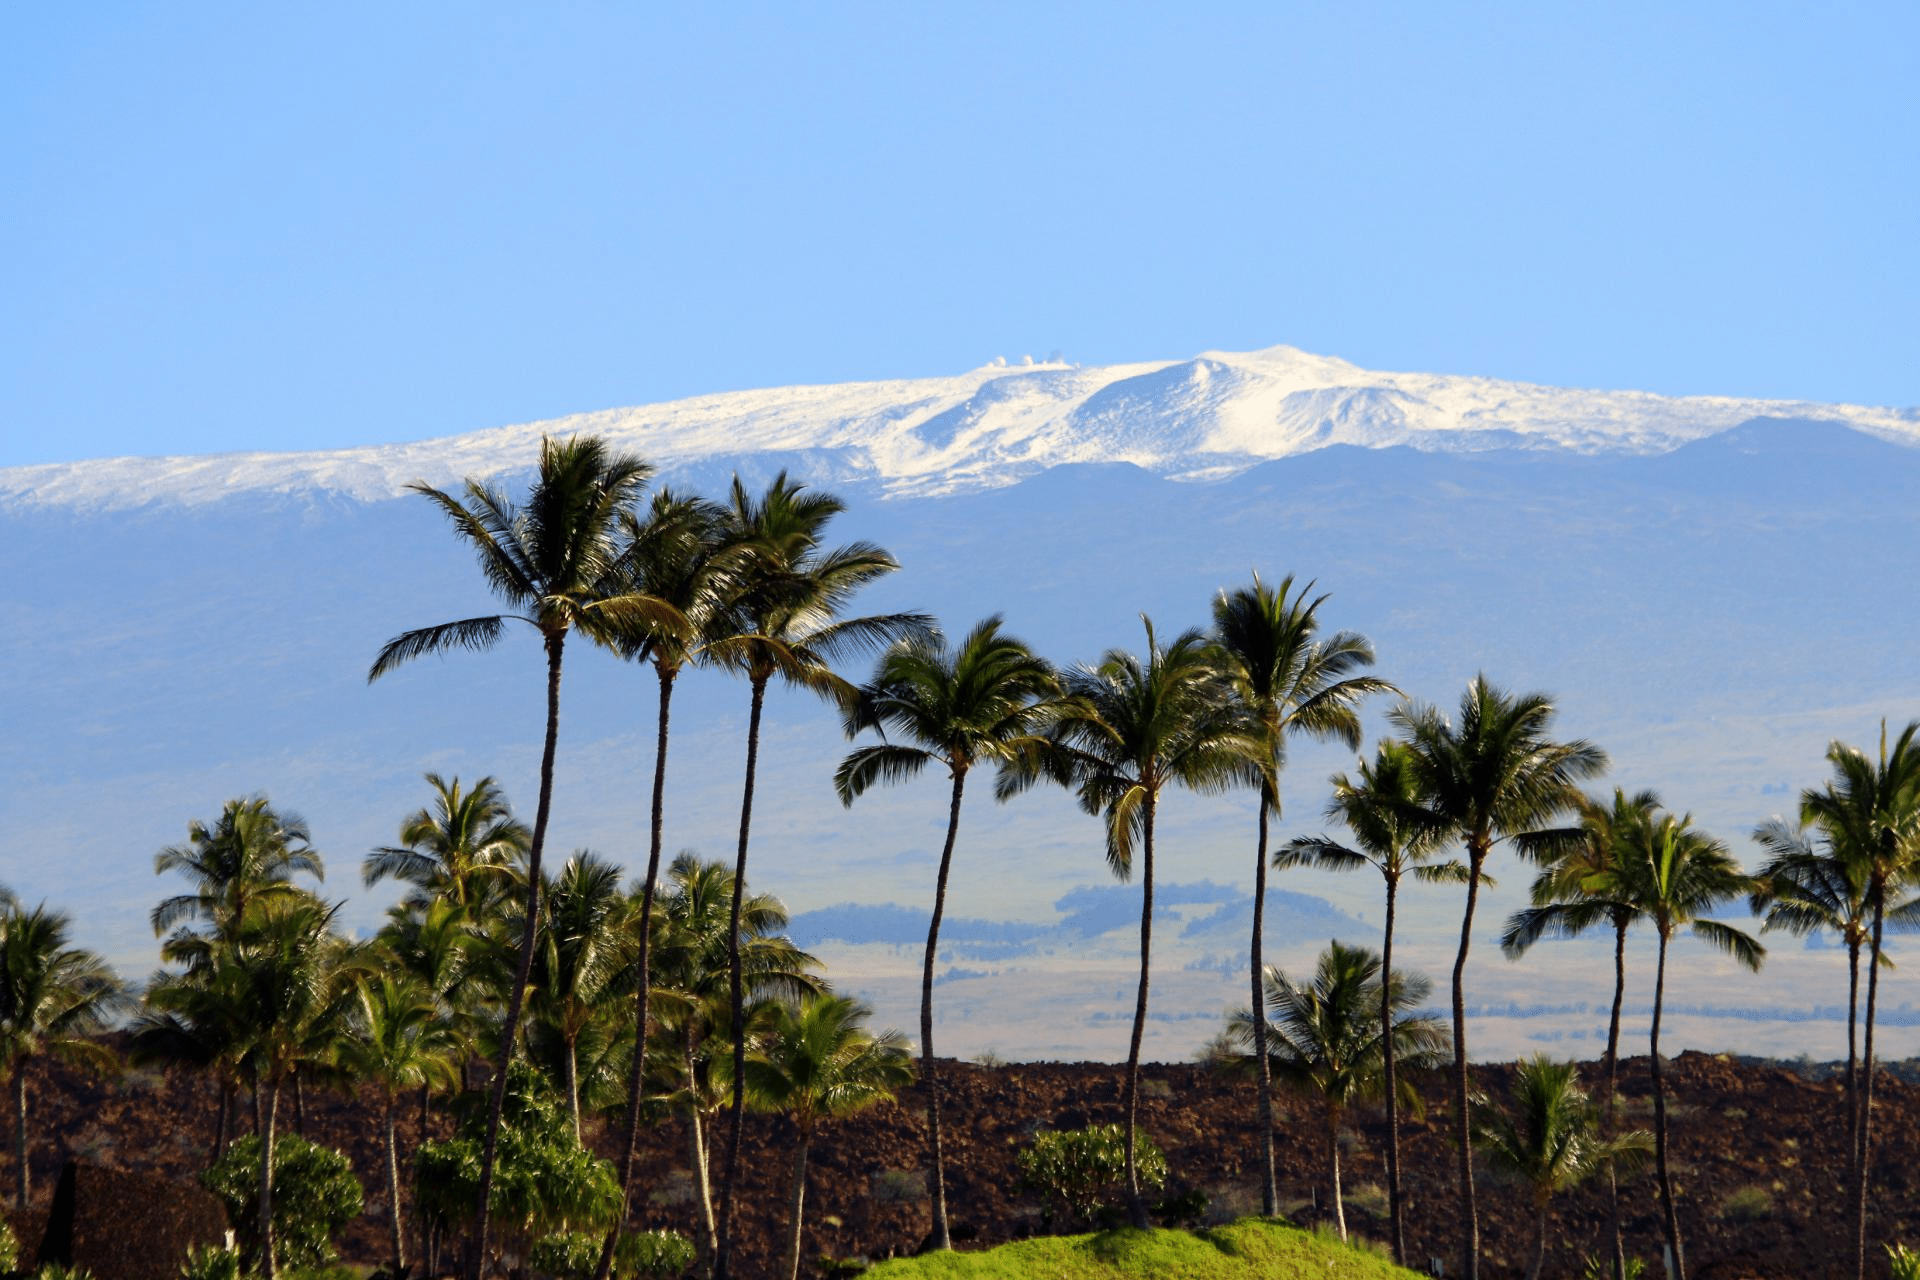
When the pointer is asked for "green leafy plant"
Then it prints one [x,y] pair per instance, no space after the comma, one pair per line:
[1902,1263]
[1081,1171]
[315,1195]
[639,1255]
[1748,1204]
[1597,1266]
[212,1262]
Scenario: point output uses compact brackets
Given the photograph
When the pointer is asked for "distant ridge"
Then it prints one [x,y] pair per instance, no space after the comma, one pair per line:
[1205,418]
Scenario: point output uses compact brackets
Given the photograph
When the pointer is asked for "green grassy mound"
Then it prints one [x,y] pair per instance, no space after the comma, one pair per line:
[1249,1248]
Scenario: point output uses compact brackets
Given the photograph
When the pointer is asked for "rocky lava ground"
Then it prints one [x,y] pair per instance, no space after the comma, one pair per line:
[1758,1157]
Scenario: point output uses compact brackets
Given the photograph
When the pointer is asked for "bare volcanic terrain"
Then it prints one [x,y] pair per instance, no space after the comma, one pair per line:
[1758,1161]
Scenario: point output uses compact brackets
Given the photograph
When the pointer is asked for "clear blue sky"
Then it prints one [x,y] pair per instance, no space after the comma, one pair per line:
[278,226]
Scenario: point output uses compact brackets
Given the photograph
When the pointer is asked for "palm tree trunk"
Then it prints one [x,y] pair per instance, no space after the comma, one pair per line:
[797,1208]
[936,1170]
[1608,1113]
[1269,1183]
[1469,1211]
[426,1225]
[736,990]
[299,1105]
[703,1184]
[1863,1161]
[220,1121]
[517,995]
[393,1187]
[23,1172]
[1393,1090]
[1660,1120]
[1853,1069]
[572,1069]
[1136,1204]
[1539,1241]
[1333,1163]
[643,973]
[270,1107]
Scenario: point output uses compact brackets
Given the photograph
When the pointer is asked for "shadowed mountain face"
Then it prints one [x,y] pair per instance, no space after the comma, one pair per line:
[1711,615]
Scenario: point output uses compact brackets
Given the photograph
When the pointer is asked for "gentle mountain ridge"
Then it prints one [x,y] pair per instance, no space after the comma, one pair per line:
[1206,418]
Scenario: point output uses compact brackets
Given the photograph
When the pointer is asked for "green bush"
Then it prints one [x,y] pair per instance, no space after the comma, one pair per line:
[640,1255]
[9,1248]
[211,1262]
[1599,1266]
[544,1182]
[314,1195]
[1902,1262]
[1748,1204]
[1082,1170]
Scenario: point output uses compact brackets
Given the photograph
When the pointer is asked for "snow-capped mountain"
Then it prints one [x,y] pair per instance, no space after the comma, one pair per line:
[1206,418]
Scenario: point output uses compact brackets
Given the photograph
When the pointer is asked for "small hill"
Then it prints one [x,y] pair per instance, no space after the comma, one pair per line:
[1249,1247]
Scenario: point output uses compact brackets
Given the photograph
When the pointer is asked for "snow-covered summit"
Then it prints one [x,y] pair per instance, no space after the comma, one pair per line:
[1204,418]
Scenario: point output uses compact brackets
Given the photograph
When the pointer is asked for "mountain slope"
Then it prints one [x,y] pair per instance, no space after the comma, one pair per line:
[1205,418]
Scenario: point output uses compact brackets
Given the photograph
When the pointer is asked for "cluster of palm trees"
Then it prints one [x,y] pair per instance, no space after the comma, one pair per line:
[680,991]
[265,996]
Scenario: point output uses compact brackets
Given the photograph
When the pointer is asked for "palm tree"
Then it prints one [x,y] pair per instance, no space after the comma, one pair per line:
[1327,1042]
[820,1063]
[291,976]
[676,554]
[1381,811]
[251,851]
[1496,775]
[1680,875]
[691,992]
[785,622]
[1134,728]
[1803,889]
[1551,1140]
[550,560]
[580,960]
[987,700]
[1872,813]
[400,1043]
[464,847]
[1293,683]
[1584,884]
[54,1000]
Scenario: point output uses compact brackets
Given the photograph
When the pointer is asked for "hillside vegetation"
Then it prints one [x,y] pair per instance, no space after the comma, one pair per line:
[1249,1247]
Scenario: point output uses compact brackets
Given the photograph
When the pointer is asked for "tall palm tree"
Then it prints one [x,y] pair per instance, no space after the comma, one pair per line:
[1135,728]
[987,700]
[1551,1140]
[785,623]
[1681,874]
[691,993]
[581,959]
[463,847]
[400,1043]
[1294,683]
[550,560]
[1872,812]
[1494,775]
[54,1000]
[820,1063]
[292,976]
[1327,1042]
[1802,889]
[675,553]
[1381,811]
[1583,884]
[250,851]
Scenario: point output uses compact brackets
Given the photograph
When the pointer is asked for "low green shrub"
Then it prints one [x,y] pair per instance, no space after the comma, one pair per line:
[9,1248]
[639,1255]
[1902,1263]
[1079,1171]
[1748,1204]
[211,1262]
[315,1195]
[1598,1266]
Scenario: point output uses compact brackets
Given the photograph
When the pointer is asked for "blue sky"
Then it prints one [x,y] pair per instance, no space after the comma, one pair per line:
[236,227]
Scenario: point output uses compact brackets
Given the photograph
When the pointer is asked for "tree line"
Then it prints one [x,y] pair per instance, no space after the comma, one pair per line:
[492,956]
